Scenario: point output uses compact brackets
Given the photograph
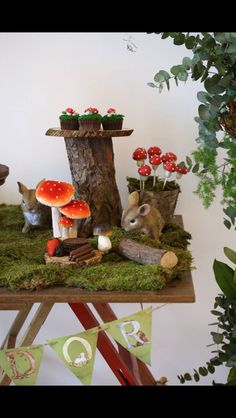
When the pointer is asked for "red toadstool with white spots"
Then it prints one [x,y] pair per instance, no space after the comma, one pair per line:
[139,155]
[144,172]
[154,151]
[66,224]
[54,194]
[169,168]
[155,161]
[76,209]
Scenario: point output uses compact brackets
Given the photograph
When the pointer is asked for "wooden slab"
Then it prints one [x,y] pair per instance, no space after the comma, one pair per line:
[88,134]
[65,262]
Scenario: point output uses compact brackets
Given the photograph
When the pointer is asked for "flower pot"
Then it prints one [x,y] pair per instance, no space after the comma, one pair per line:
[164,200]
[89,124]
[112,124]
[70,124]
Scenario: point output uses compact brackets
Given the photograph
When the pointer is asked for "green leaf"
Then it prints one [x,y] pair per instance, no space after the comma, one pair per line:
[164,74]
[182,75]
[234,331]
[186,61]
[188,160]
[231,375]
[230,211]
[224,277]
[187,376]
[168,84]
[203,371]
[176,69]
[190,42]
[203,112]
[230,254]
[196,377]
[211,368]
[161,85]
[227,223]
[225,81]
[202,97]
[195,168]
[151,84]
[165,35]
[212,86]
[217,338]
[176,81]
[179,39]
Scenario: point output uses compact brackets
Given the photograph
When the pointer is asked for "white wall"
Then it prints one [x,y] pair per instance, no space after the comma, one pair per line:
[43,73]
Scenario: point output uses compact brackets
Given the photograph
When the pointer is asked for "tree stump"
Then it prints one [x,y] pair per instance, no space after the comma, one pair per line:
[4,172]
[91,159]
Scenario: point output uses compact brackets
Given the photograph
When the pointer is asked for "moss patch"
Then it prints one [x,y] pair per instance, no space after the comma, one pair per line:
[134,184]
[23,267]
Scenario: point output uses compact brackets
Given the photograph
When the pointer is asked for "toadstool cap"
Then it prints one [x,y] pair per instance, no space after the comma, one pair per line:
[66,222]
[154,151]
[76,209]
[139,154]
[102,229]
[54,193]
[155,160]
[144,170]
[169,166]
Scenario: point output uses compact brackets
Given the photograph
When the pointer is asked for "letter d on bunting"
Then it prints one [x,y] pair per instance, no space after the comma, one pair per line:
[134,333]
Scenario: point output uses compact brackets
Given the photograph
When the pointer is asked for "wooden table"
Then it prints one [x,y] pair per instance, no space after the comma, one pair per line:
[127,368]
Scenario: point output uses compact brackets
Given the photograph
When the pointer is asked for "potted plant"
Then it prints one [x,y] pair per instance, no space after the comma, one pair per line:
[155,189]
[112,120]
[90,120]
[214,64]
[69,119]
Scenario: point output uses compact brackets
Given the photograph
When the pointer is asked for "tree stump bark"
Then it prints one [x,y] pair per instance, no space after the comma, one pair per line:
[144,254]
[93,174]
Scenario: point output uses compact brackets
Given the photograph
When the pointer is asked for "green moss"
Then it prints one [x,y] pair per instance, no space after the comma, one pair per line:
[134,184]
[23,267]
[113,117]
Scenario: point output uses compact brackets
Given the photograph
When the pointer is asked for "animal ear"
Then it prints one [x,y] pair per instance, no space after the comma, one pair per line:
[39,183]
[133,198]
[22,187]
[144,209]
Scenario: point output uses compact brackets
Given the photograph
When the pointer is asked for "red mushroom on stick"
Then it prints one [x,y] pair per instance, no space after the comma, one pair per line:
[144,172]
[155,161]
[76,209]
[54,194]
[169,168]
[139,155]
[66,224]
[169,156]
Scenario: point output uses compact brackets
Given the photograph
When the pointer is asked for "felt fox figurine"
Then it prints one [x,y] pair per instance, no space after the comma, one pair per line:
[34,212]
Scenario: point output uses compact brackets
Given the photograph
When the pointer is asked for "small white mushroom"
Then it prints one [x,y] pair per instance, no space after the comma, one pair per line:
[103,232]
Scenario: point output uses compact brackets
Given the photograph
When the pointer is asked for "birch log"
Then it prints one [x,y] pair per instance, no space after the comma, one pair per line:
[144,254]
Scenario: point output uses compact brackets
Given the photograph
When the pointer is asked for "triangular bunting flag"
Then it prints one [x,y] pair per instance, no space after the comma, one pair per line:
[22,364]
[78,353]
[134,333]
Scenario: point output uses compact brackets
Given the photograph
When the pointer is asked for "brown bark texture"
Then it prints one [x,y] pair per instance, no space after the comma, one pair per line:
[144,254]
[93,174]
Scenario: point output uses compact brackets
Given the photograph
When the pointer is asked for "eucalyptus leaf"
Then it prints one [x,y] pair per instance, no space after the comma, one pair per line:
[151,84]
[186,61]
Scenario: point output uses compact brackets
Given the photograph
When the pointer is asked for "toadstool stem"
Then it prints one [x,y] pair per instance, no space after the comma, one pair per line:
[55,222]
[65,233]
[73,229]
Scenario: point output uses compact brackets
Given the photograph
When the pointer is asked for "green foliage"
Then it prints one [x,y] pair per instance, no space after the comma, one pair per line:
[224,338]
[113,117]
[64,116]
[213,62]
[90,116]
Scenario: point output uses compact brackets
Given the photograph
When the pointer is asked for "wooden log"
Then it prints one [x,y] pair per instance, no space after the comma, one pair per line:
[144,254]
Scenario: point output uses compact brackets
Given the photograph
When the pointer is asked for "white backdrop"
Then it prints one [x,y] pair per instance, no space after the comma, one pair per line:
[43,73]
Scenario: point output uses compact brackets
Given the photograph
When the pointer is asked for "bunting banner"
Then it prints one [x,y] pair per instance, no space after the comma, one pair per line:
[134,333]
[22,364]
[77,352]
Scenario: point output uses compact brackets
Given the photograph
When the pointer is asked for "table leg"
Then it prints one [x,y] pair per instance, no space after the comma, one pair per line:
[139,369]
[38,320]
[106,348]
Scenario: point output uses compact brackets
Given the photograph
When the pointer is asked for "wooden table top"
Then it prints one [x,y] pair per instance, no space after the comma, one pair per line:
[177,291]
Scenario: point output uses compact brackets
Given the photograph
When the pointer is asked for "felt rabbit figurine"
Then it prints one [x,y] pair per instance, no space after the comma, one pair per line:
[34,212]
[144,218]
